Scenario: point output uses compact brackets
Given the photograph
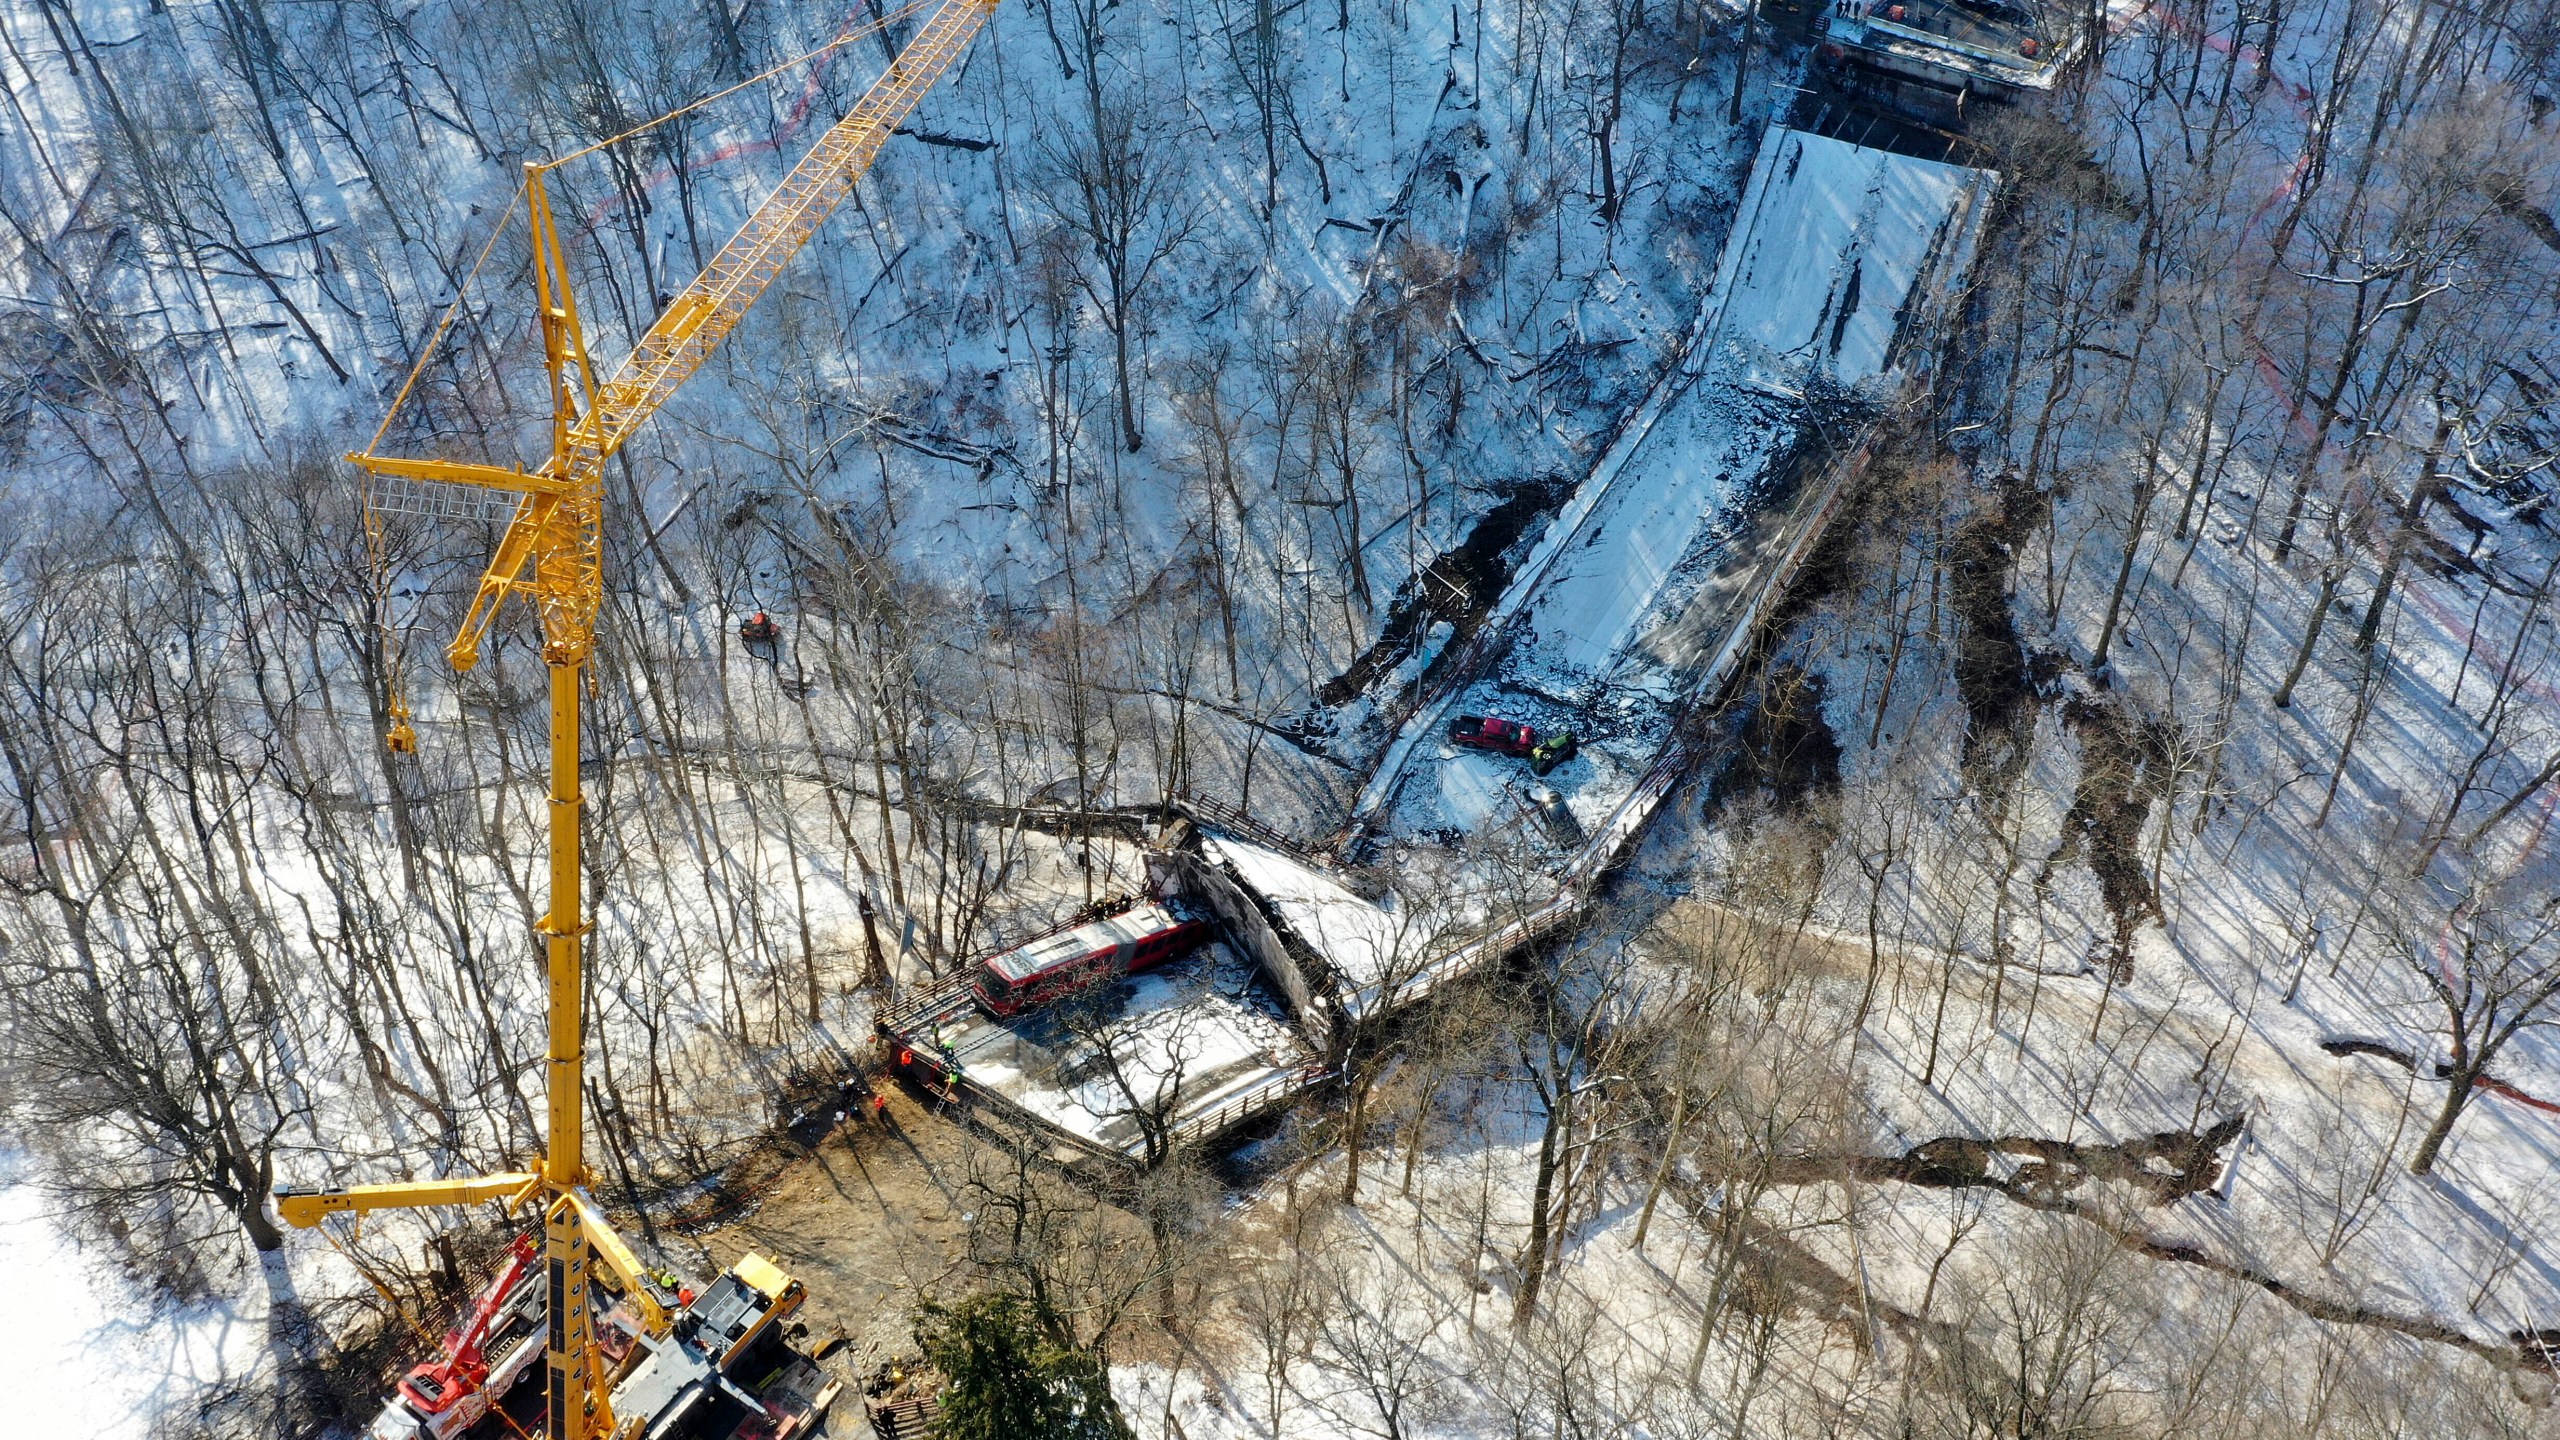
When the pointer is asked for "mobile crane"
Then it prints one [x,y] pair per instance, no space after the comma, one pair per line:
[442,1399]
[552,554]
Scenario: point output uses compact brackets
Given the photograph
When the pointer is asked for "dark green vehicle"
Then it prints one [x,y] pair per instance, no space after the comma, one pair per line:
[1552,751]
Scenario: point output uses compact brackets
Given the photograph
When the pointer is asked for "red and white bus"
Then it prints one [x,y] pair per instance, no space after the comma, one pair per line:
[1028,976]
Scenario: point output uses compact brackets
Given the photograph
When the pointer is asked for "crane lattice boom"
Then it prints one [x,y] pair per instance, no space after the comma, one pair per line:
[556,525]
[696,321]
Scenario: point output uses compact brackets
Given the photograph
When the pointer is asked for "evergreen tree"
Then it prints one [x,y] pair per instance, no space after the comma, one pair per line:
[1004,1379]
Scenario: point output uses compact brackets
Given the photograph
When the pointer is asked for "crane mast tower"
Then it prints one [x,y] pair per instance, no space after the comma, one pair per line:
[552,554]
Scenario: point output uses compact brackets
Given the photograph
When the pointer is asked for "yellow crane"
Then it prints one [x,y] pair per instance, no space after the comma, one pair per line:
[552,554]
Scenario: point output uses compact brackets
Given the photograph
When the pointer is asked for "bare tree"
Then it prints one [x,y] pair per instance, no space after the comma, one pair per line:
[1114,180]
[2492,968]
[2046,1330]
[154,1034]
[1281,1300]
[1377,1334]
[1083,1265]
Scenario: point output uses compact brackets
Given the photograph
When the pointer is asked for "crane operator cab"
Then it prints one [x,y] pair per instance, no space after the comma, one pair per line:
[689,1382]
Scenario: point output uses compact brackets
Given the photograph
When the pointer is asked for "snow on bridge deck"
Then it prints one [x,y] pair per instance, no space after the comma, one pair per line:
[1649,583]
[1180,1051]
[1375,955]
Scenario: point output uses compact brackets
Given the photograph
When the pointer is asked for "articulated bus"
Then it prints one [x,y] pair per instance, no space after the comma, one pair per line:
[1029,976]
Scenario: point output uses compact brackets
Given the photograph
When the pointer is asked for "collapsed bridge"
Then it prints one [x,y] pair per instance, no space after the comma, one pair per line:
[1631,613]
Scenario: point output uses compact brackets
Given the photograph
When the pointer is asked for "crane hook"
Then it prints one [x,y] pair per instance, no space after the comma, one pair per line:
[401,739]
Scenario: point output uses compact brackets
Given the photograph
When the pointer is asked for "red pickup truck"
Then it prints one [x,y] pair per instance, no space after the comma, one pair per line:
[1510,737]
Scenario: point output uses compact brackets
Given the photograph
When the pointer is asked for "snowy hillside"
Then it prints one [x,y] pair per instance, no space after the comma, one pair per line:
[1033,538]
[2091,974]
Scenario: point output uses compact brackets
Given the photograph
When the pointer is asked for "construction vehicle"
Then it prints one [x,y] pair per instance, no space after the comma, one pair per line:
[1065,961]
[552,554]
[712,1371]
[1512,738]
[692,1379]
[442,1399]
[619,1300]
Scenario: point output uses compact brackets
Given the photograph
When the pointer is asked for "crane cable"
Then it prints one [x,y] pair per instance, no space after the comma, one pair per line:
[843,38]
[400,737]
[436,339]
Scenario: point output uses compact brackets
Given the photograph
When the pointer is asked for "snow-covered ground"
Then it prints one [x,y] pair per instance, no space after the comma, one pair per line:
[94,1345]
[1640,595]
[2191,1039]
[1079,621]
[907,456]
[2267,946]
[1400,1309]
[98,1355]
[2163,903]
[1879,1230]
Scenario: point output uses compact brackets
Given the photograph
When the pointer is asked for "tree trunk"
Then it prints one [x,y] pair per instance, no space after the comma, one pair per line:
[2124,571]
[1351,1140]
[2403,534]
[1742,63]
[1533,1262]
[2310,636]
[1662,1171]
[253,1218]
[1131,439]
[2454,1099]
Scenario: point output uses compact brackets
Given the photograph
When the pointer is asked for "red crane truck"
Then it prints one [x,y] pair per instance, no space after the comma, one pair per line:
[445,1398]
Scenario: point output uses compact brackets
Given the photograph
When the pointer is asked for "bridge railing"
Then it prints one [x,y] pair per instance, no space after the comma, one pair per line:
[1260,1100]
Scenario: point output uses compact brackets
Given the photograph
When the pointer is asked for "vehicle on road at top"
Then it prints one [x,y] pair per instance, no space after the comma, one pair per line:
[1032,975]
[1511,737]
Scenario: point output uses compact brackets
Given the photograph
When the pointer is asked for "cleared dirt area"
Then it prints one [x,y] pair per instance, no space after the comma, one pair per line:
[867,1218]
